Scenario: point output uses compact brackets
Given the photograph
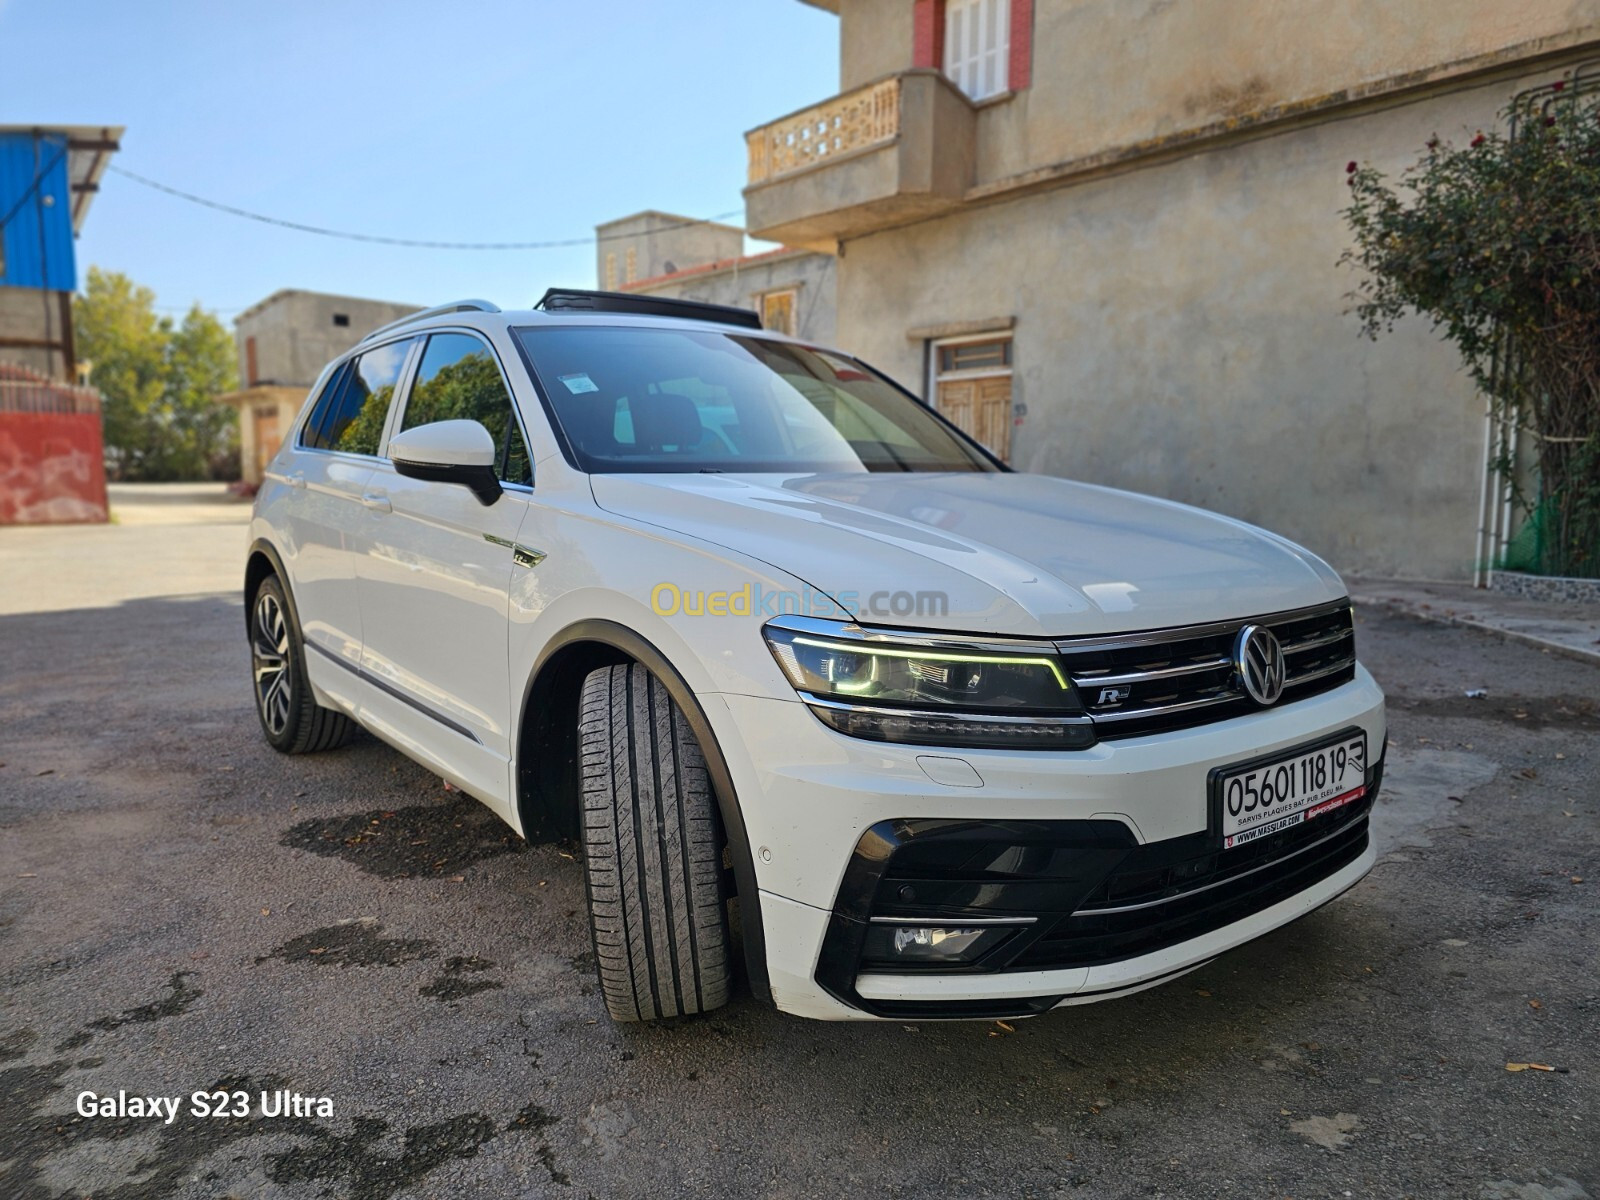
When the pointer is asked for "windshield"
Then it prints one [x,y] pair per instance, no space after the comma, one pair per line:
[630,399]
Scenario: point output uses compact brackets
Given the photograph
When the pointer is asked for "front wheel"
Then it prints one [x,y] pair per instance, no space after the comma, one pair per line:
[291,718]
[652,851]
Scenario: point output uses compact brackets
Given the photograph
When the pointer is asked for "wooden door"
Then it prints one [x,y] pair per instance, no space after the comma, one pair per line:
[266,437]
[980,408]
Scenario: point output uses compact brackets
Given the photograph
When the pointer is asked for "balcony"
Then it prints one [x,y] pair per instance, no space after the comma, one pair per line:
[897,150]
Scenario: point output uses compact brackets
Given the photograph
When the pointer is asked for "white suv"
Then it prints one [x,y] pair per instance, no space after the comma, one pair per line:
[776,641]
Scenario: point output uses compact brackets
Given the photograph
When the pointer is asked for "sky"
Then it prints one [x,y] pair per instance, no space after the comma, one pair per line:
[481,121]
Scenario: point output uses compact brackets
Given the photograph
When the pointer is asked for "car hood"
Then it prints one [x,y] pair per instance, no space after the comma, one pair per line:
[1008,553]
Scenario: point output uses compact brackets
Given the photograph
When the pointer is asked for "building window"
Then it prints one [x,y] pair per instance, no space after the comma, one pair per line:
[977,46]
[632,266]
[611,273]
[969,382]
[252,373]
[778,311]
[342,320]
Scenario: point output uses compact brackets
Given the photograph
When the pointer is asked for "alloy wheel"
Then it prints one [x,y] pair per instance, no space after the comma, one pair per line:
[269,654]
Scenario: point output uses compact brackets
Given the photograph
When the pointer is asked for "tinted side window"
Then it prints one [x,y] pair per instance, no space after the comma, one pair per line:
[354,421]
[459,379]
[309,436]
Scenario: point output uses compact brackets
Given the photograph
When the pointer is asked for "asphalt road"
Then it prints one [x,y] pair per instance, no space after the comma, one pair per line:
[182,909]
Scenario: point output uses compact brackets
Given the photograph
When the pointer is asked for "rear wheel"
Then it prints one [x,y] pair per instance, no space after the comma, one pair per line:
[652,851]
[291,718]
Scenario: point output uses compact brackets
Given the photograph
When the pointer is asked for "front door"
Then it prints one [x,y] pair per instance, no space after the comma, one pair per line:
[972,388]
[434,574]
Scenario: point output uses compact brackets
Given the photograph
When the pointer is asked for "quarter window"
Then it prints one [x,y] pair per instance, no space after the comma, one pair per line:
[310,436]
[458,380]
[352,421]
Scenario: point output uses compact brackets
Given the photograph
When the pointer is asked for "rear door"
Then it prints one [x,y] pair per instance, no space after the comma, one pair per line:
[434,573]
[337,450]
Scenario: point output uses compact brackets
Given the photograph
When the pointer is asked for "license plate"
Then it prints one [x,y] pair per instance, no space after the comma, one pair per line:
[1270,796]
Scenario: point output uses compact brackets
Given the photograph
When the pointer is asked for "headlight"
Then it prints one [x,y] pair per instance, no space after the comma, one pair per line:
[928,690]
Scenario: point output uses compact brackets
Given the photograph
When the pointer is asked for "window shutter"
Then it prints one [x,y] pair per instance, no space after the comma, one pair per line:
[977,46]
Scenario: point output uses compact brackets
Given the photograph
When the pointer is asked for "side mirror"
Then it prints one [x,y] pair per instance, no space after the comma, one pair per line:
[449,452]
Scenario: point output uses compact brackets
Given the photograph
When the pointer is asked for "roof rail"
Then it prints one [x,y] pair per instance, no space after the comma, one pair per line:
[573,300]
[438,310]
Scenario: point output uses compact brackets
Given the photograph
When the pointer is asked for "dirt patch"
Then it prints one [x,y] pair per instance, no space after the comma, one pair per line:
[14,1045]
[453,984]
[1536,712]
[159,1010]
[418,842]
[355,943]
[533,1118]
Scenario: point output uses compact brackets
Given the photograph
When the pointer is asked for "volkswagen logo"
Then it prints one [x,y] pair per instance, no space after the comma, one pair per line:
[1258,658]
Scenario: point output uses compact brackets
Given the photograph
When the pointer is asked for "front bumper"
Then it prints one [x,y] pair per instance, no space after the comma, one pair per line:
[842,827]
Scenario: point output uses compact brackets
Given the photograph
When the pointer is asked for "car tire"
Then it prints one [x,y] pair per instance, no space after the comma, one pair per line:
[652,846]
[291,719]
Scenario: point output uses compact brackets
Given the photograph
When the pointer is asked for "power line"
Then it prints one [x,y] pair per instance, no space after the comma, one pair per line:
[389,241]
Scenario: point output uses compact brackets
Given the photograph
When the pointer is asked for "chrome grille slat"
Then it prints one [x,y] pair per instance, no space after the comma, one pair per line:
[1344,664]
[1321,639]
[1161,710]
[1088,678]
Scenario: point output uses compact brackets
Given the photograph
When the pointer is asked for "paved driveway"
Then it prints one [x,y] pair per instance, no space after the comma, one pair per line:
[181,909]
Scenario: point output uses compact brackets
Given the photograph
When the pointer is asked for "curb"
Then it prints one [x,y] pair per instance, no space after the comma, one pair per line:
[1392,604]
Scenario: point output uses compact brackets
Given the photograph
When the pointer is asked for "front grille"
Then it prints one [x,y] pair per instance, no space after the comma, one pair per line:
[1168,892]
[1180,678]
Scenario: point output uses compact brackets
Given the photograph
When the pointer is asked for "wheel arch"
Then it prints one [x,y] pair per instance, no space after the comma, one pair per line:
[262,561]
[549,716]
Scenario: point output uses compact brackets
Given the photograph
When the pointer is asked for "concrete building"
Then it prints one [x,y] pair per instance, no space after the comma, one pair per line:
[661,254]
[284,342]
[1104,236]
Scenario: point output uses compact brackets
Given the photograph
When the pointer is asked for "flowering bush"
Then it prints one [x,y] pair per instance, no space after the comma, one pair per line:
[1498,243]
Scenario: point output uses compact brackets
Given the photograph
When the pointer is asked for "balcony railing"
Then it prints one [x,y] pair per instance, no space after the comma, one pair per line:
[868,116]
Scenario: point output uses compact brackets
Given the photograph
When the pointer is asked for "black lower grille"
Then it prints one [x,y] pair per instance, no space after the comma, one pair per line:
[1075,893]
[1146,906]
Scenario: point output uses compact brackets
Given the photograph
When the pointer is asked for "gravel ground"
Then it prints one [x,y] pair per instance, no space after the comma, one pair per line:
[181,909]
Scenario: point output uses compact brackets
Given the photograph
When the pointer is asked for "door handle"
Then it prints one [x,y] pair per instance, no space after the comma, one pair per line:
[376,502]
[297,479]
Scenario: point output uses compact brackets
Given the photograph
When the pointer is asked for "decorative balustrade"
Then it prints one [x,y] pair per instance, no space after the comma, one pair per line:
[868,116]
[22,391]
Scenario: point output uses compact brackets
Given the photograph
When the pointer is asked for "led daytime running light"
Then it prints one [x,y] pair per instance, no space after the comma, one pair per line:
[939,656]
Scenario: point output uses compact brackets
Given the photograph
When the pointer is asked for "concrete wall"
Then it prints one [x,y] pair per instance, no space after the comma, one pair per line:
[296,333]
[742,286]
[874,40]
[661,243]
[1181,330]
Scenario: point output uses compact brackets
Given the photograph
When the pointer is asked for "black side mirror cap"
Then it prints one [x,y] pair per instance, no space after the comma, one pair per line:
[480,481]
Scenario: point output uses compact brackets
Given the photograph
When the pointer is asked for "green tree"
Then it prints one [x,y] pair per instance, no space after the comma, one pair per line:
[159,381]
[1498,243]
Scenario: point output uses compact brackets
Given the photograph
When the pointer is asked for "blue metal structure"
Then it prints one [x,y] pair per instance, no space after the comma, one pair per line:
[36,203]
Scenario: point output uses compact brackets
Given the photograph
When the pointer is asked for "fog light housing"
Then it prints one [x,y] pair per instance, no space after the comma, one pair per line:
[951,943]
